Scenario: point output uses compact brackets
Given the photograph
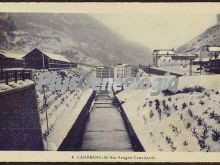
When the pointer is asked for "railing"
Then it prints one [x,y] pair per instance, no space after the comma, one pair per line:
[14,75]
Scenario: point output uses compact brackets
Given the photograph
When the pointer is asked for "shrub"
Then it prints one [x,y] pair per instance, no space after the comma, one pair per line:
[204,133]
[159,113]
[168,139]
[201,102]
[202,143]
[175,107]
[199,121]
[157,103]
[194,132]
[215,135]
[181,117]
[185,143]
[144,105]
[151,114]
[198,89]
[191,103]
[173,148]
[184,105]
[169,99]
[188,125]
[205,112]
[212,114]
[150,103]
[190,113]
[218,119]
[207,94]
[217,93]
[168,92]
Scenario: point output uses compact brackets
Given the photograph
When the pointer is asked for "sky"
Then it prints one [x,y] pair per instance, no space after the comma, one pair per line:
[157,31]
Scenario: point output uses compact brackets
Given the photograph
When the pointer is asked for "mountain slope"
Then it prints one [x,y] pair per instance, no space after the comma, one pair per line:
[79,36]
[210,37]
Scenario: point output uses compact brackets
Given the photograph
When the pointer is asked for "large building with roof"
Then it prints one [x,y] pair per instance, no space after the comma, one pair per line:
[38,59]
[9,59]
[164,57]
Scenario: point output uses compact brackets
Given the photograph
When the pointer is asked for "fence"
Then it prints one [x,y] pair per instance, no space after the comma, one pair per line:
[14,75]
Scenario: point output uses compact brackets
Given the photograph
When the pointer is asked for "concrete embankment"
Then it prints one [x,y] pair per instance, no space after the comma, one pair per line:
[135,142]
[70,132]
[19,120]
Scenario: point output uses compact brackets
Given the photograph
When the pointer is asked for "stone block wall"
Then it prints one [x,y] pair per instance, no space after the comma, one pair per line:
[19,120]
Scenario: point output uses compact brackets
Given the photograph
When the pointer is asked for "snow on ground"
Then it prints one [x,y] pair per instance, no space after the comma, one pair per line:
[187,120]
[13,85]
[62,109]
[67,117]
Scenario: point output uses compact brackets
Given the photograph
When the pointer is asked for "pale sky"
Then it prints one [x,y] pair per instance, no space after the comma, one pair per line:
[157,31]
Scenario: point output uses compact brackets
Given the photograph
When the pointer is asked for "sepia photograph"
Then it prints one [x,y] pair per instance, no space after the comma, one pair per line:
[88,82]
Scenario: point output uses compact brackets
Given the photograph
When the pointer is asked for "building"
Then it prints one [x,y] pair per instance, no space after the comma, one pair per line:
[104,72]
[166,58]
[201,61]
[9,59]
[162,57]
[122,71]
[38,59]
[213,52]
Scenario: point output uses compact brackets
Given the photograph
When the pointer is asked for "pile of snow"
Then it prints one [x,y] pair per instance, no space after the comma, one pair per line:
[188,120]
[205,81]
[13,85]
[66,119]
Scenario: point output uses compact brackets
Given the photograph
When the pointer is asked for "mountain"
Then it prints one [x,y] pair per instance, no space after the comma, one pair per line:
[78,36]
[209,37]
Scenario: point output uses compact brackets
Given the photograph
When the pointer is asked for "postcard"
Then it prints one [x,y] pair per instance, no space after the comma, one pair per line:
[109,82]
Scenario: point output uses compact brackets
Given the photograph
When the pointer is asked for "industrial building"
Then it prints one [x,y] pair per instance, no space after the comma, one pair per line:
[38,59]
[9,59]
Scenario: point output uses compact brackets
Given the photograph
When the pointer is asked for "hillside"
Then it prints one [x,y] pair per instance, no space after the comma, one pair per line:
[79,36]
[183,121]
[210,37]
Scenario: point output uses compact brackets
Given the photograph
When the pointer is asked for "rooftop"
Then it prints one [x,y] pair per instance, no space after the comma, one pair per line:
[164,52]
[53,56]
[213,48]
[57,57]
[12,54]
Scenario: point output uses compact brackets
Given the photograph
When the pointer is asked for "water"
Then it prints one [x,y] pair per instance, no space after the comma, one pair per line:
[105,130]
